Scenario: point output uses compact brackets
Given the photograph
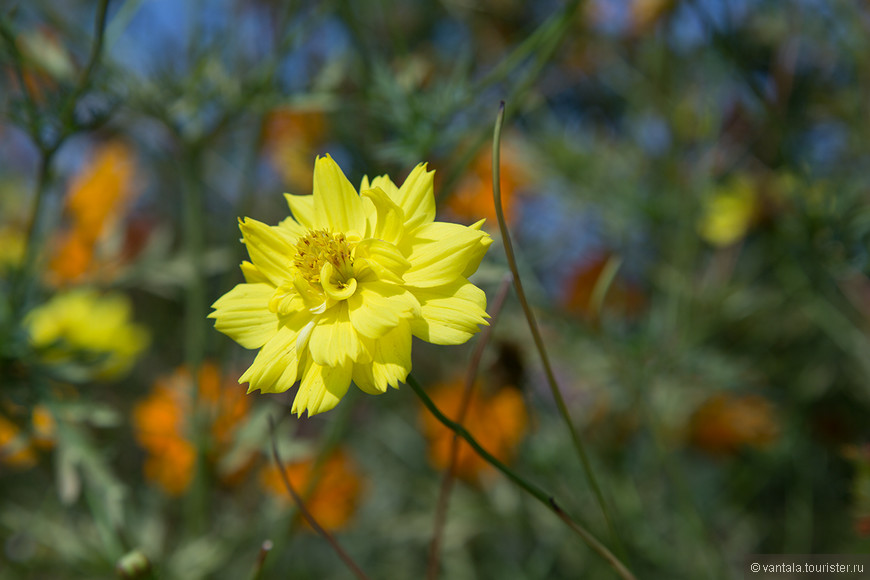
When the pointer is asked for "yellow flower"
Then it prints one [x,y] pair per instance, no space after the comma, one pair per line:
[729,213]
[335,293]
[83,323]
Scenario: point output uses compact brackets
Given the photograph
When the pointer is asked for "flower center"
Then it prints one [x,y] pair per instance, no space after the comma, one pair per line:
[324,259]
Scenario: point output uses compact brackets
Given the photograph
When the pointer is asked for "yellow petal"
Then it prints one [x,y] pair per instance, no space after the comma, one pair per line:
[378,307]
[275,367]
[442,252]
[252,274]
[336,203]
[386,184]
[385,259]
[322,387]
[333,340]
[387,223]
[292,229]
[391,357]
[302,207]
[451,313]
[269,248]
[364,379]
[417,197]
[243,314]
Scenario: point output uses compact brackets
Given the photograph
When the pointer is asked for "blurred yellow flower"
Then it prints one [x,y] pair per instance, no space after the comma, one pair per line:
[83,324]
[94,204]
[725,423]
[11,247]
[331,491]
[729,213]
[498,421]
[335,294]
[163,426]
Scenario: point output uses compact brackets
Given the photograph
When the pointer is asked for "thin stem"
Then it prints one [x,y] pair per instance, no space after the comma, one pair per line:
[66,116]
[450,473]
[34,232]
[523,484]
[265,548]
[548,37]
[533,326]
[29,102]
[345,557]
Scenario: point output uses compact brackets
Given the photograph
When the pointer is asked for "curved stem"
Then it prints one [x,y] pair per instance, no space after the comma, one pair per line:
[533,326]
[345,557]
[522,483]
[449,473]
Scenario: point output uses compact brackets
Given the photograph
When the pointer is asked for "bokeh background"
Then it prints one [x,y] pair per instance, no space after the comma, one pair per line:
[686,183]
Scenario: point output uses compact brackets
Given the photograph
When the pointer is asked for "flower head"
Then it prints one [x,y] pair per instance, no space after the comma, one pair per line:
[725,423]
[335,293]
[83,324]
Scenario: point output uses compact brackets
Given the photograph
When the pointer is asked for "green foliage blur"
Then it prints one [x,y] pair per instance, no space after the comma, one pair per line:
[686,193]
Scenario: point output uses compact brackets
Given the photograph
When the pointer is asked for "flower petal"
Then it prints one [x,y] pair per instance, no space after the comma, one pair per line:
[334,341]
[322,387]
[442,252]
[292,229]
[252,274]
[385,259]
[378,307]
[336,203]
[275,367]
[387,223]
[451,313]
[417,197]
[270,249]
[391,357]
[243,314]
[302,207]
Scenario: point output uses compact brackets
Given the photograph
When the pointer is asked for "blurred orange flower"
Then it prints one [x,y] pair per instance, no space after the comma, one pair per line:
[473,196]
[498,421]
[621,297]
[163,423]
[725,423]
[17,449]
[291,139]
[331,492]
[94,204]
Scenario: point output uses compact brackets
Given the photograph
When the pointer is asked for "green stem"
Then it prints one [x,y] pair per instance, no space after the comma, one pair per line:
[35,240]
[533,326]
[17,60]
[548,37]
[449,473]
[85,77]
[265,548]
[523,484]
[195,324]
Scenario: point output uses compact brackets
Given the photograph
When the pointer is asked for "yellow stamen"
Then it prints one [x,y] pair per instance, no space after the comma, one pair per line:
[319,249]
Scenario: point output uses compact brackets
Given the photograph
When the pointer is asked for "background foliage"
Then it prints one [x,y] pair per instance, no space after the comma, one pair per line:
[685,185]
